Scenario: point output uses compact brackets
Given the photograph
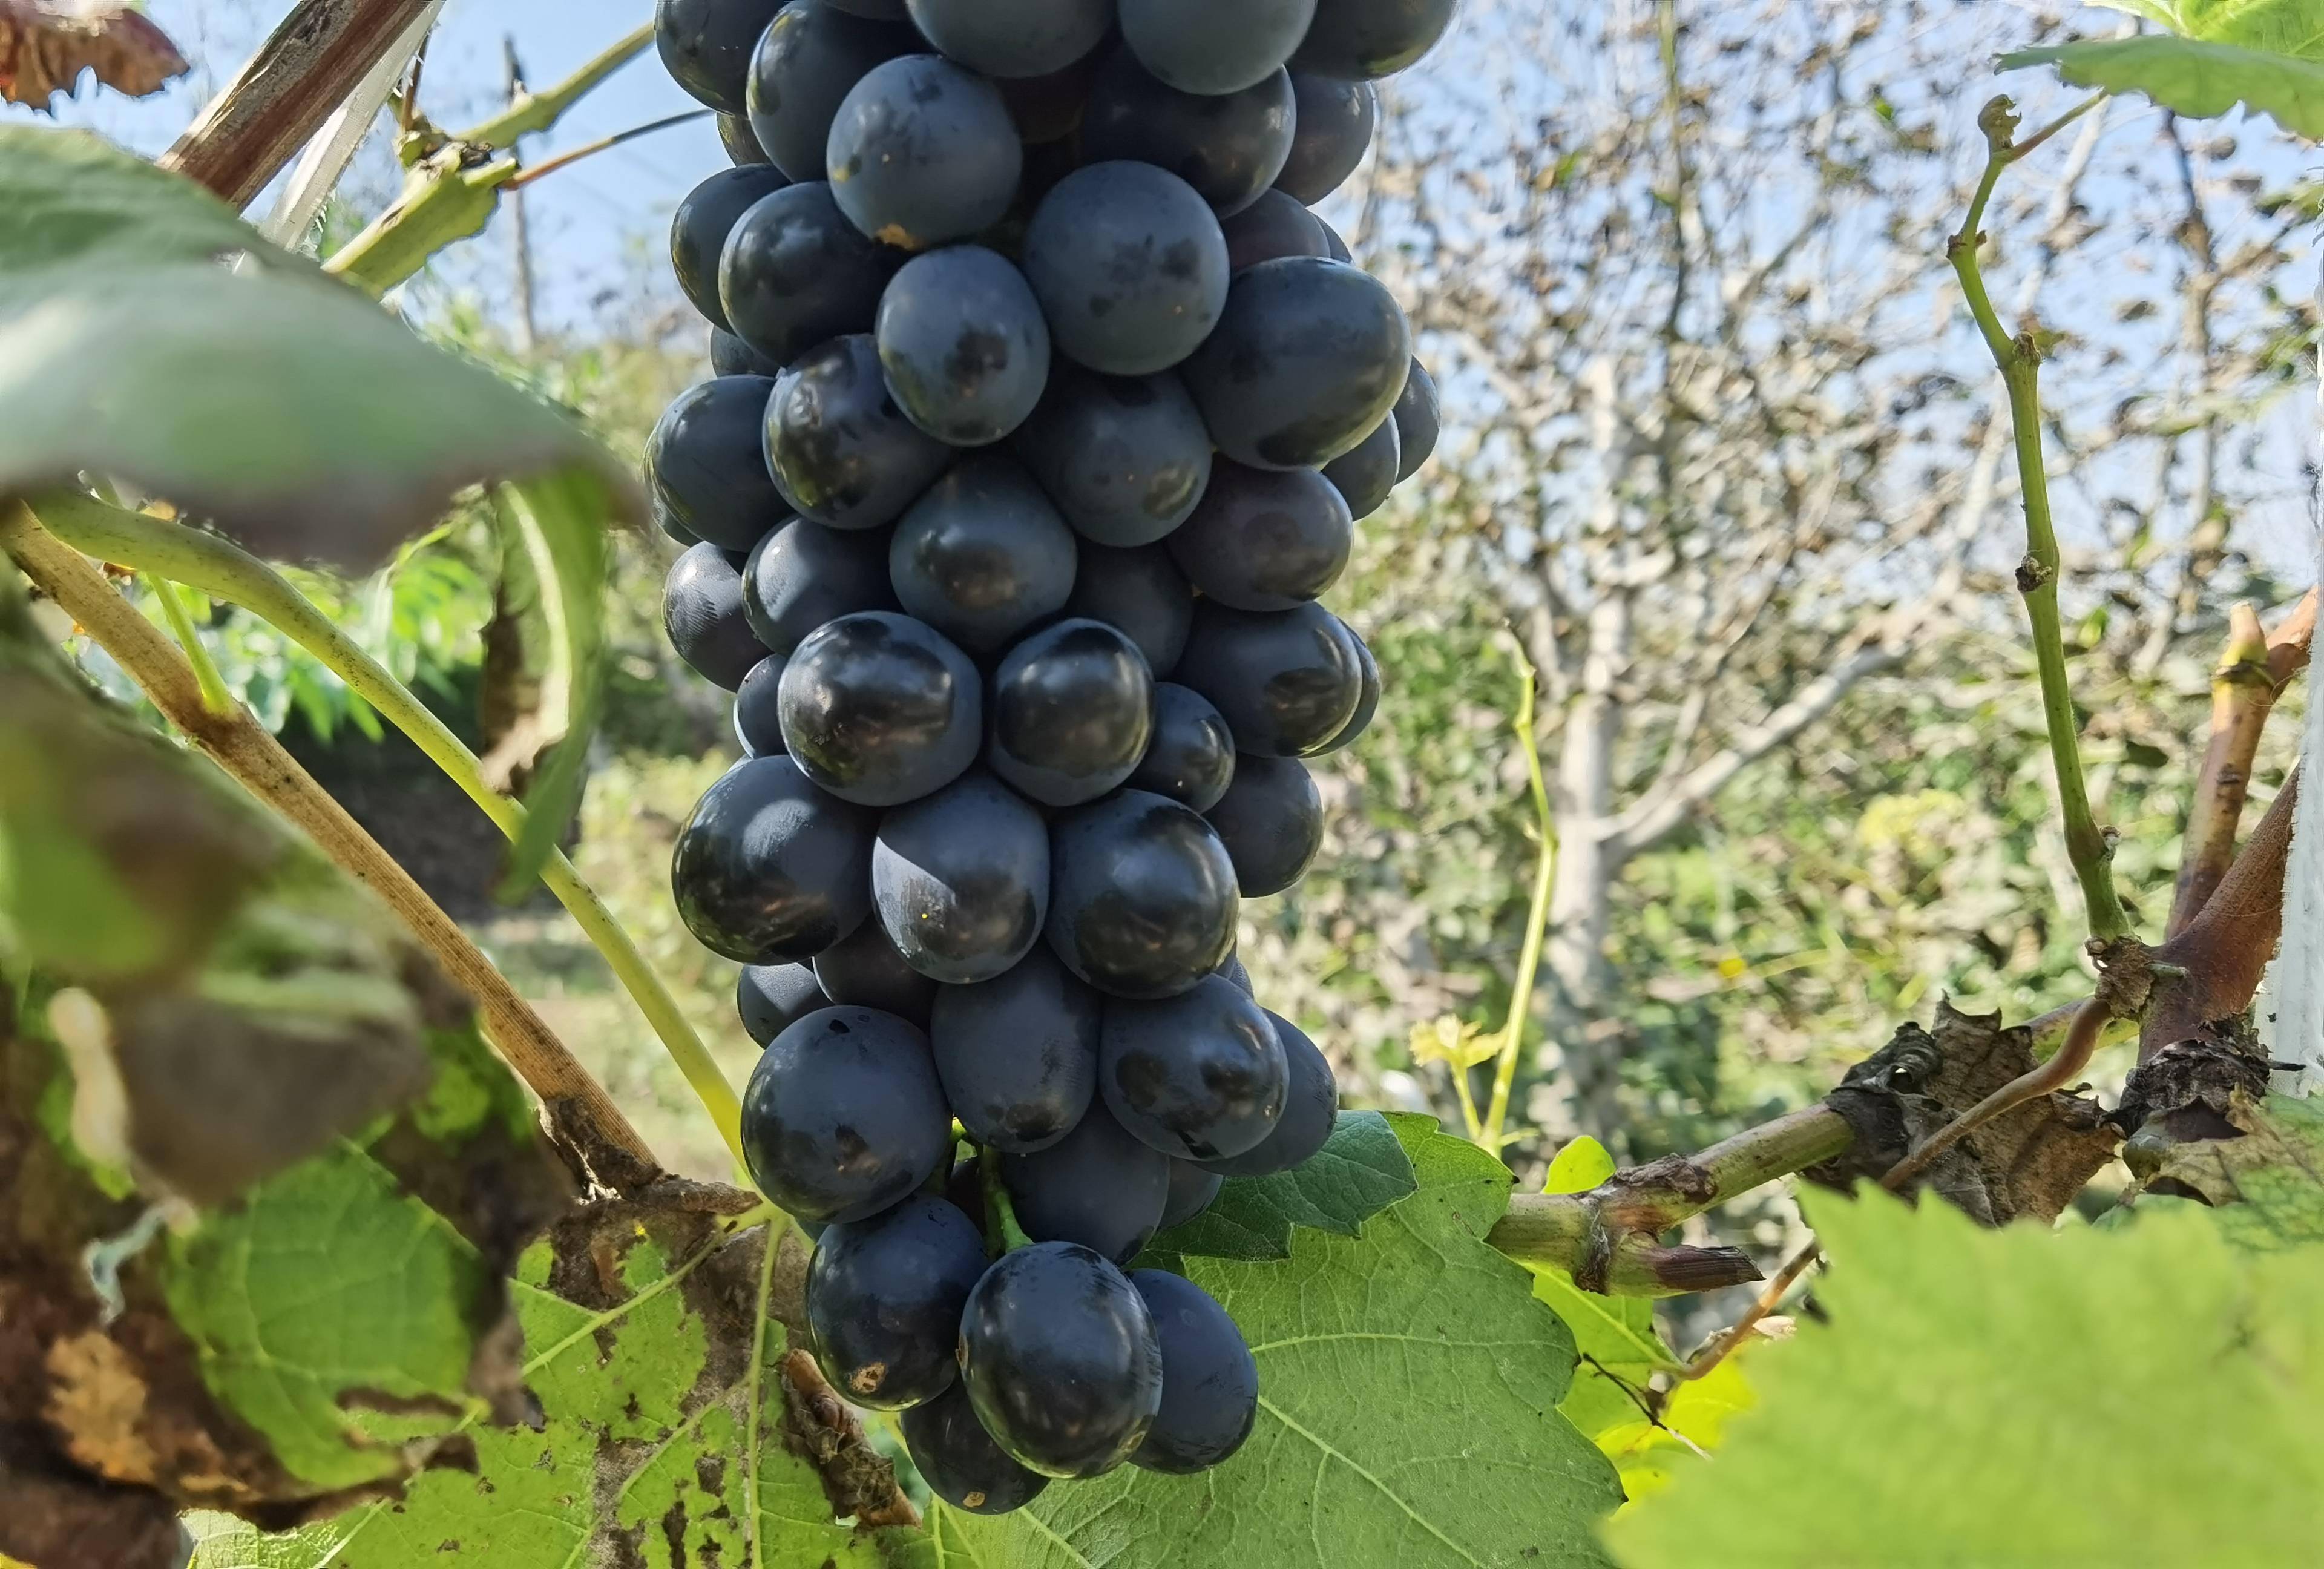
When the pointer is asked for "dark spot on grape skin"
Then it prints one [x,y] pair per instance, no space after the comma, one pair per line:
[1182,260]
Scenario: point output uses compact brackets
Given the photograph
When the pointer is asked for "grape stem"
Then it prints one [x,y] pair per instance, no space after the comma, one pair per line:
[1513,1030]
[217,568]
[581,1115]
[1002,1231]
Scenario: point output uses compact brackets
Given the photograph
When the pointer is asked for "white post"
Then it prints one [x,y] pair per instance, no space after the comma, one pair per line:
[2291,1003]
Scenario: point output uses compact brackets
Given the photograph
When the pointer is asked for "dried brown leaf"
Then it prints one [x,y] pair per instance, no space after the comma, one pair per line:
[46,44]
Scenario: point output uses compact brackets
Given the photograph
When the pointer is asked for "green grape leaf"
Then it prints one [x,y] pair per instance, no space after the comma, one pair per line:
[1408,1387]
[2269,1183]
[1649,1454]
[665,1434]
[1957,1407]
[1615,1336]
[2268,54]
[1362,1170]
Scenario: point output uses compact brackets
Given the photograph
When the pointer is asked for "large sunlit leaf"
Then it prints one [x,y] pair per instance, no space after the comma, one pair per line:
[1360,1171]
[2265,54]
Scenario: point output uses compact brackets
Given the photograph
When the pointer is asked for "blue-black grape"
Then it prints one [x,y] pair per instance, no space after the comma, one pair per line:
[840,449]
[1334,247]
[1097,1186]
[805,63]
[704,220]
[863,970]
[879,709]
[1264,539]
[960,882]
[1131,269]
[983,555]
[770,868]
[1210,1380]
[1141,593]
[804,575]
[704,466]
[923,153]
[1192,756]
[884,1296]
[1214,46]
[742,143]
[701,614]
[959,1461]
[1142,895]
[1200,1076]
[1047,108]
[1269,229]
[880,10]
[1309,355]
[771,997]
[1193,1189]
[1060,1358]
[1271,821]
[730,356]
[1416,421]
[1229,147]
[842,1116]
[1366,471]
[795,273]
[1368,698]
[1237,975]
[964,344]
[1288,681]
[1018,1054]
[758,721]
[1071,712]
[1014,38]
[1311,1105]
[1335,121]
[1124,457]
[1369,39]
[705,45]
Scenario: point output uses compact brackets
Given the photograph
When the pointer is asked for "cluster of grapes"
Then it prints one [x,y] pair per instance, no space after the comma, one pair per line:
[1045,408]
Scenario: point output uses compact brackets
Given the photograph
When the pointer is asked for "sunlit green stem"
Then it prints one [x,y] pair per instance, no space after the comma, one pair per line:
[224,571]
[215,696]
[531,111]
[1513,1030]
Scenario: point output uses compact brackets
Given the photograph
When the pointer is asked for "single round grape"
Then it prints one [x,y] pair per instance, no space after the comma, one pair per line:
[1200,1076]
[1142,900]
[705,466]
[730,356]
[702,613]
[1214,46]
[959,1461]
[923,153]
[879,709]
[1334,129]
[1097,1186]
[1229,147]
[964,347]
[699,229]
[742,143]
[1366,472]
[1192,757]
[1018,1054]
[758,721]
[804,575]
[1070,713]
[1271,821]
[1140,593]
[840,449]
[1124,457]
[1417,420]
[1309,355]
[705,45]
[1311,1106]
[863,970]
[983,555]
[1264,539]
[770,868]
[1288,681]
[1014,38]
[1369,39]
[795,273]
[771,997]
[1269,229]
[1368,698]
[842,1116]
[805,63]
[1131,269]
[1237,975]
[1058,1351]
[960,882]
[884,1296]
[1210,1380]
[1193,1188]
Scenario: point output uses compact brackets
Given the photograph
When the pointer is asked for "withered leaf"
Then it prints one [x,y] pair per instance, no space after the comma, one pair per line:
[46,44]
